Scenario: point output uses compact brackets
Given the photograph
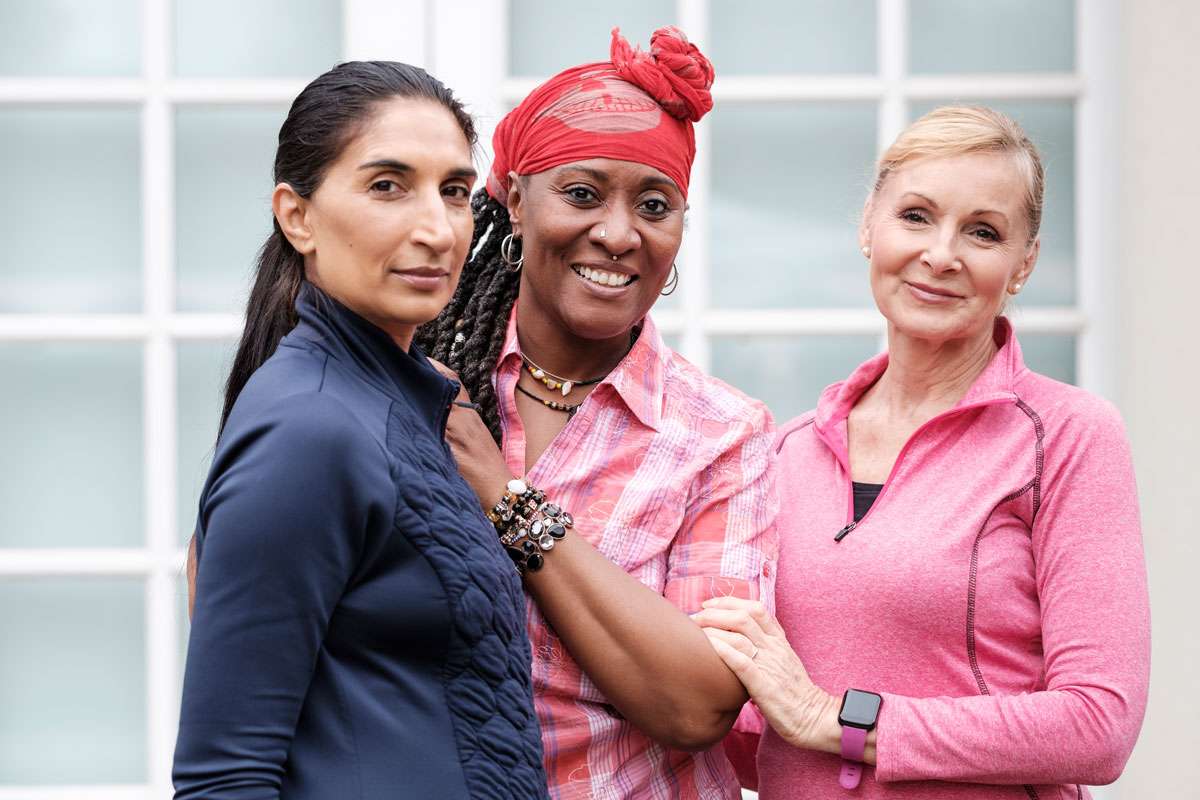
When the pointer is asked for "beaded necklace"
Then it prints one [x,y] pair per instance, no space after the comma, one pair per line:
[570,409]
[556,383]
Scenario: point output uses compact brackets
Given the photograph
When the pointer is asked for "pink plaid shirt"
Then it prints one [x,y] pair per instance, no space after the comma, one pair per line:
[667,473]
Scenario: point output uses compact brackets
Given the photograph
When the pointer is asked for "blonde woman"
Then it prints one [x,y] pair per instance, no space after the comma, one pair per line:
[962,607]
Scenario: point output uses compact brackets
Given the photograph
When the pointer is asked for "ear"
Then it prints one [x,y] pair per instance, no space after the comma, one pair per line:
[864,224]
[291,212]
[1027,265]
[516,200]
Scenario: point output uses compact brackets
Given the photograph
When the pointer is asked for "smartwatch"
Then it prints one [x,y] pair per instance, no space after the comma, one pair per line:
[857,717]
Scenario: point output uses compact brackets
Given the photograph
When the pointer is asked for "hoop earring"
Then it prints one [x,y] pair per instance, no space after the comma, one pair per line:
[506,245]
[672,282]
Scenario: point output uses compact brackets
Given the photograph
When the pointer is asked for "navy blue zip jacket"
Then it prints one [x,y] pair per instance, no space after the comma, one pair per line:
[359,632]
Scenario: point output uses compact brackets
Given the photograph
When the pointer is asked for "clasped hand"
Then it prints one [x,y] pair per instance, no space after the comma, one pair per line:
[754,646]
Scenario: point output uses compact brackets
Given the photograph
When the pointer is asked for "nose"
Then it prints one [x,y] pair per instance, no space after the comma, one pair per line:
[432,226]
[941,253]
[616,231]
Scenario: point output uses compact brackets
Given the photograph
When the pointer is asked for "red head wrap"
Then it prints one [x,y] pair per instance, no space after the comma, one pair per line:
[611,109]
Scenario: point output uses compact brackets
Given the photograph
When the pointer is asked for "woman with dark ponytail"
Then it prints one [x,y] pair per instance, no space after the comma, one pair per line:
[357,629]
[628,486]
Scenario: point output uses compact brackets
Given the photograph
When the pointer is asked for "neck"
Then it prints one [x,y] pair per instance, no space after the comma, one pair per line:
[555,349]
[399,333]
[403,339]
[925,377]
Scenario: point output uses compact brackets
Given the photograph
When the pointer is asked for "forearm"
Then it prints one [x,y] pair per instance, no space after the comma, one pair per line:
[653,664]
[190,570]
[1053,736]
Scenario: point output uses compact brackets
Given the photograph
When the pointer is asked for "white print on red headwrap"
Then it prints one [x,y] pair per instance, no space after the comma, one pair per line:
[604,104]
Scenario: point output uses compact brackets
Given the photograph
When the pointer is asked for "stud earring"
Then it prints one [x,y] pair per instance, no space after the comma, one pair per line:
[866,251]
[1016,288]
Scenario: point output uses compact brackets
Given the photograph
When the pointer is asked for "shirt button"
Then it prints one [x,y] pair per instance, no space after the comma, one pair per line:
[766,570]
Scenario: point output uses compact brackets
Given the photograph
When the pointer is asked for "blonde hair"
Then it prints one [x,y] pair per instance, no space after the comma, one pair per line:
[959,130]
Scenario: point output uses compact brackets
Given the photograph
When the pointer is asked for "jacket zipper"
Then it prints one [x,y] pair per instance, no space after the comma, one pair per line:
[851,523]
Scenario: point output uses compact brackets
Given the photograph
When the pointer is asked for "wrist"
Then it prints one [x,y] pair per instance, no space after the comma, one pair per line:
[818,727]
[528,524]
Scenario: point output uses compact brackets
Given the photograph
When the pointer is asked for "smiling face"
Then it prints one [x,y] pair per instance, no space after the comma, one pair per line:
[387,231]
[949,240]
[573,220]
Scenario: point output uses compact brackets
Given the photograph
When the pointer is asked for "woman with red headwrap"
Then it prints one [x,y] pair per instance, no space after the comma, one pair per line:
[628,486]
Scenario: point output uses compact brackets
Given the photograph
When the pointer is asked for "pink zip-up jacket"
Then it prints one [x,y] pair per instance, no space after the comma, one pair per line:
[995,593]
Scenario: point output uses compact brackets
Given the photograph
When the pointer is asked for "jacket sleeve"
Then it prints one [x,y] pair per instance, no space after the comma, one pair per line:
[283,522]
[1091,581]
[728,543]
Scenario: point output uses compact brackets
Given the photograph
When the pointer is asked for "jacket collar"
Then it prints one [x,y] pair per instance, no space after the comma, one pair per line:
[639,379]
[371,352]
[994,385]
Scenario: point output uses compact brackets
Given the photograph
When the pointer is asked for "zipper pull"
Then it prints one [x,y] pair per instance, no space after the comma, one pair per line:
[844,532]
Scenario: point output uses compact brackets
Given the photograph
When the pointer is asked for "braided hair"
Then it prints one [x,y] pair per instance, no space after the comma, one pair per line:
[469,333]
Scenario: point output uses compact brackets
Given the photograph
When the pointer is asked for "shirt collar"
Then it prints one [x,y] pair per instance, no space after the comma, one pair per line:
[995,383]
[371,352]
[638,379]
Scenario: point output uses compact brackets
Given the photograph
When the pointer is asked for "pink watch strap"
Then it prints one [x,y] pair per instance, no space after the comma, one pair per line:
[854,745]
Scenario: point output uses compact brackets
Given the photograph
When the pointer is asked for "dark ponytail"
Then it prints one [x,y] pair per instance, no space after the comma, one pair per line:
[469,333]
[323,119]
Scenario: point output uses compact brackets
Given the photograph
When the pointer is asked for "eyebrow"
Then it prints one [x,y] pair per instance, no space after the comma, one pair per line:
[977,212]
[981,211]
[400,166]
[601,176]
[929,200]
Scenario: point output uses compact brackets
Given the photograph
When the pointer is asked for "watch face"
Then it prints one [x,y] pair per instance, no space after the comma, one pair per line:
[860,709]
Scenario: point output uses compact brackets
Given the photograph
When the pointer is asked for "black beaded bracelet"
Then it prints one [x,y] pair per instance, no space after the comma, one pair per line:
[528,525]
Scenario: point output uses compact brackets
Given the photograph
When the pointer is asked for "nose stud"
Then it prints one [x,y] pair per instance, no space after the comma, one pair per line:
[603,232]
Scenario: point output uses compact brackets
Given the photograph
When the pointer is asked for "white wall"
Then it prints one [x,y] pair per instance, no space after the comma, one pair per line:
[1159,378]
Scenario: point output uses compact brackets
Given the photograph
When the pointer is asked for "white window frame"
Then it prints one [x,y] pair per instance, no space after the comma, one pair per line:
[464,42]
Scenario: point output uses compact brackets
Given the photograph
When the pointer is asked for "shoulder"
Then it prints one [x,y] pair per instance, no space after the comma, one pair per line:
[302,431]
[1064,412]
[697,396]
[791,432]
[287,418]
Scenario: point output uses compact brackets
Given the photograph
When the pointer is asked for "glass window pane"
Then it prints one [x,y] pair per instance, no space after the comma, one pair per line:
[263,39]
[71,423]
[788,186]
[1051,354]
[223,168]
[203,368]
[782,36]
[72,681]
[788,373]
[1014,36]
[1051,126]
[70,38]
[70,212]
[547,36]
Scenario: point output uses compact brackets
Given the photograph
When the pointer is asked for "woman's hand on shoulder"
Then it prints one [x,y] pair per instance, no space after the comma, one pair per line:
[479,460]
[754,646]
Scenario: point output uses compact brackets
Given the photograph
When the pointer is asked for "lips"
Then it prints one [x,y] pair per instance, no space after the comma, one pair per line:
[924,288]
[423,278]
[603,277]
[423,272]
